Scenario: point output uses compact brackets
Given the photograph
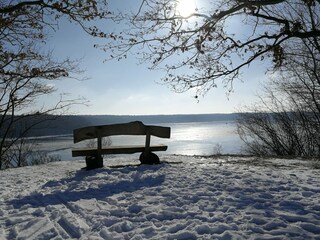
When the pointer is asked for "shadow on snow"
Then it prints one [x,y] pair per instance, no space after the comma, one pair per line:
[102,192]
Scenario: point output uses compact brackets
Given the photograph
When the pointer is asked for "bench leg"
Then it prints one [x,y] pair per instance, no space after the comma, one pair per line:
[94,162]
[149,158]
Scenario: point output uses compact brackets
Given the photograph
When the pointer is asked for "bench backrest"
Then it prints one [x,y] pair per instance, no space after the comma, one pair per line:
[132,128]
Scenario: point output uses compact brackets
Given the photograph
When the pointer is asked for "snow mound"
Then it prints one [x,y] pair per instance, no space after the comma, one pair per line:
[188,198]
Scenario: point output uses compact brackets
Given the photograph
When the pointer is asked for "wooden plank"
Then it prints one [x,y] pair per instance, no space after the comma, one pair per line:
[132,128]
[99,144]
[147,145]
[158,131]
[117,150]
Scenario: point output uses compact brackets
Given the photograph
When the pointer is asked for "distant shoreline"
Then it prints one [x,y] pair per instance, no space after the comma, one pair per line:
[64,125]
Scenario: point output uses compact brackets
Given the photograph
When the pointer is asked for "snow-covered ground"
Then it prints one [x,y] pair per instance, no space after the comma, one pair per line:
[188,198]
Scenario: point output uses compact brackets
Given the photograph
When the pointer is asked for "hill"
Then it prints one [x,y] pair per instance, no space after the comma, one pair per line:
[65,124]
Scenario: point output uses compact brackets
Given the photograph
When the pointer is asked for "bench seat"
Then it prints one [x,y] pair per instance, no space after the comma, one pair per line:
[77,152]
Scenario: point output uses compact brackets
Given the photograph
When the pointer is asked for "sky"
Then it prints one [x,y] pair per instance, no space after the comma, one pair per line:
[127,88]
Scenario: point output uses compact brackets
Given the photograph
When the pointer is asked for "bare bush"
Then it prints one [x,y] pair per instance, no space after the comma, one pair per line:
[92,143]
[217,149]
[25,153]
[286,120]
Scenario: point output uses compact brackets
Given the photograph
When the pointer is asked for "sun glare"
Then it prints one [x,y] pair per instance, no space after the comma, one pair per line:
[186,7]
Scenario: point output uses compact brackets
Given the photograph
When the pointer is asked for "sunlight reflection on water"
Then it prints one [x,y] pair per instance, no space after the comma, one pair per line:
[186,138]
[201,138]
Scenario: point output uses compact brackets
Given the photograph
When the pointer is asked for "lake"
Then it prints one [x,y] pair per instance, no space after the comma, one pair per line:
[193,138]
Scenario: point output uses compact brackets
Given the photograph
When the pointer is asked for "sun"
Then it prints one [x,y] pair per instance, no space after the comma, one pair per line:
[185,7]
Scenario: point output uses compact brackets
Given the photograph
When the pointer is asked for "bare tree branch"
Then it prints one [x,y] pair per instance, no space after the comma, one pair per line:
[200,49]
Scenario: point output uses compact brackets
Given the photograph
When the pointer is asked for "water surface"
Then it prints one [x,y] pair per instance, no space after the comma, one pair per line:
[195,138]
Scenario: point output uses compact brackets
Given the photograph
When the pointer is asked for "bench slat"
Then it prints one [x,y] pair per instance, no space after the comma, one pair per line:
[132,128]
[77,152]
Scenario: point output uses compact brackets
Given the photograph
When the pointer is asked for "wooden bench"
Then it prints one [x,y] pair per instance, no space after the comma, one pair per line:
[94,155]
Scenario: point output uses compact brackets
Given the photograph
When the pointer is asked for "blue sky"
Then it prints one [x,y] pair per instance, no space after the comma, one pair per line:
[126,87]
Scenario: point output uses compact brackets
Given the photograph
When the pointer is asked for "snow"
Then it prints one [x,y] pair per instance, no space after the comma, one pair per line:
[183,198]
